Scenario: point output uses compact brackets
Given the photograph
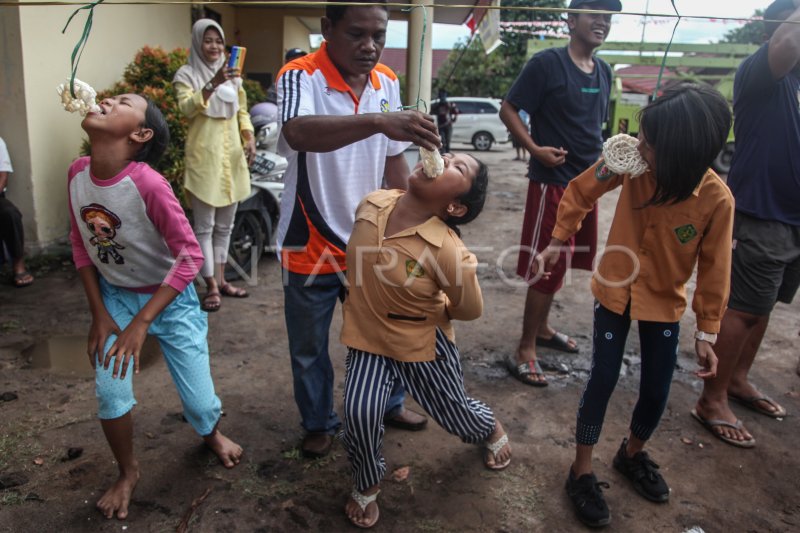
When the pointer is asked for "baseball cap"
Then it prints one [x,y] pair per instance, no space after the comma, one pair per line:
[774,12]
[611,5]
[294,53]
[776,8]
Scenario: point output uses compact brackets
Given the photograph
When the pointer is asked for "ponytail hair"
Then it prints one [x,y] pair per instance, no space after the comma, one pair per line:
[474,199]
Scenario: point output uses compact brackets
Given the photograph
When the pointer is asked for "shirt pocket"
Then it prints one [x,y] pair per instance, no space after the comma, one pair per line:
[681,232]
[406,317]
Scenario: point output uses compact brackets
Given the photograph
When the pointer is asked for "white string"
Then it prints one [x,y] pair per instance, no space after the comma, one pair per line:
[622,157]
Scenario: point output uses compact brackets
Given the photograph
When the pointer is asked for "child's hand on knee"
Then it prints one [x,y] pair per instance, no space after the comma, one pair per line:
[103,326]
[127,346]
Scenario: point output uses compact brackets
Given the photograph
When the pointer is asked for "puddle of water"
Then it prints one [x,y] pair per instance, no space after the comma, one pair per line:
[66,355]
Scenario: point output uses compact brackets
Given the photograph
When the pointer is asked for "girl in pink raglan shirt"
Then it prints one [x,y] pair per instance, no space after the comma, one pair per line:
[137,256]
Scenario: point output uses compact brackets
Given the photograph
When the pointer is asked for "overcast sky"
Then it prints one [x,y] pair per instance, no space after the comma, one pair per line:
[629,27]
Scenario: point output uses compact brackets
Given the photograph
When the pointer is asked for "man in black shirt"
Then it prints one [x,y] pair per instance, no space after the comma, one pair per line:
[565,91]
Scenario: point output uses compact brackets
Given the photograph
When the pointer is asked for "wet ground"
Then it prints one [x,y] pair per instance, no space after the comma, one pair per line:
[54,462]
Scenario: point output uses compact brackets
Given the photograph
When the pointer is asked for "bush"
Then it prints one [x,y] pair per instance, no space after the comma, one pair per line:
[150,74]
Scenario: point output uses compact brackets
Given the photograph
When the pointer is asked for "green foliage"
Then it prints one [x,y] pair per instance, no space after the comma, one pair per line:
[476,74]
[255,92]
[150,74]
[750,33]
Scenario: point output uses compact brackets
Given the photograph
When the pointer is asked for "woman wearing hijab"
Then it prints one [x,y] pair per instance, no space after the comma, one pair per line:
[219,146]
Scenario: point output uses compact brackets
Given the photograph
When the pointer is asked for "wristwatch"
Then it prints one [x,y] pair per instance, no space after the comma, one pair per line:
[209,87]
[710,338]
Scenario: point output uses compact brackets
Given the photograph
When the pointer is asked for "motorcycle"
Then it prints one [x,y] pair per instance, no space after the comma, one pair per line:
[257,216]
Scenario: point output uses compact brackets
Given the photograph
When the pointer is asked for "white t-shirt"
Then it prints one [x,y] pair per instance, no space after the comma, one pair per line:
[323,190]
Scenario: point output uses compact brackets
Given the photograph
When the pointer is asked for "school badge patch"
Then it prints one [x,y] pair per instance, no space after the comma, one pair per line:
[414,269]
[686,233]
[602,172]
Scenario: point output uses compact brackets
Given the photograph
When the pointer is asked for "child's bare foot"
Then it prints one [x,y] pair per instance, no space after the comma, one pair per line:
[362,509]
[229,452]
[117,498]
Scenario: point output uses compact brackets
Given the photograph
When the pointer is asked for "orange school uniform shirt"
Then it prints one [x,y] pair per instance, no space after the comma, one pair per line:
[402,287]
[651,251]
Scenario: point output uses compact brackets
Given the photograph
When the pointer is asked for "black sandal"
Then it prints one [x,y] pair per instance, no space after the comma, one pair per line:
[524,372]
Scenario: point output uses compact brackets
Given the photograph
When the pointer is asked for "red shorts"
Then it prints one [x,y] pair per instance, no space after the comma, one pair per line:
[541,209]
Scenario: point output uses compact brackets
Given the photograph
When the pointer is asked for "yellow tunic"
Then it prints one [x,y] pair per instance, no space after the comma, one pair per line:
[216,167]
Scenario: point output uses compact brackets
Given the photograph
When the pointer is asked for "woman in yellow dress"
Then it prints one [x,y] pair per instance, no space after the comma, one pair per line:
[219,146]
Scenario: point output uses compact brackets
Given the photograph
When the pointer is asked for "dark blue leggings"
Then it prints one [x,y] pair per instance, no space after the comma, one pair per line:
[659,346]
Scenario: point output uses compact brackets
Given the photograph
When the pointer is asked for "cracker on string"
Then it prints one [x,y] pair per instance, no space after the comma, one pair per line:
[622,157]
[84,100]
[432,162]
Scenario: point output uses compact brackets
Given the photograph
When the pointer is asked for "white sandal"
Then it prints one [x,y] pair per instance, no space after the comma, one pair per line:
[494,448]
[363,501]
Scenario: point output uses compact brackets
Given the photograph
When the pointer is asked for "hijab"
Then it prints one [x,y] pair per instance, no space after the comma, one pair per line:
[198,72]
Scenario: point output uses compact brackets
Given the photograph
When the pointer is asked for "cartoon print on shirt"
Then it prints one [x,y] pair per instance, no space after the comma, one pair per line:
[104,225]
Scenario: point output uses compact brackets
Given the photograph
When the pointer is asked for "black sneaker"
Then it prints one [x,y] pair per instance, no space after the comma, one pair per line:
[643,473]
[587,498]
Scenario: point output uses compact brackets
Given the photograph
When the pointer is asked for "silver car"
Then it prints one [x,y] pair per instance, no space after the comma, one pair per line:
[478,122]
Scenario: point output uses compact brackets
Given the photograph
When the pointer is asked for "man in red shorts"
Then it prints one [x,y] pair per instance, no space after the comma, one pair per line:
[565,91]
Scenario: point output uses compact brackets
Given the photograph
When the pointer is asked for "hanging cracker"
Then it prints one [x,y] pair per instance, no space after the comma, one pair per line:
[622,157]
[84,100]
[432,162]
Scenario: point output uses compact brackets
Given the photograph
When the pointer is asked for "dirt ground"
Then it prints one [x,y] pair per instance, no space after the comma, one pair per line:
[714,486]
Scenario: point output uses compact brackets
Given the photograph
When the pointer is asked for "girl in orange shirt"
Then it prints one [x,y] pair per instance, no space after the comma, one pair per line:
[677,214]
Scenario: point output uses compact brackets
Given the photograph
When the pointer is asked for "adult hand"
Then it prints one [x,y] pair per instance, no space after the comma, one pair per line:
[103,326]
[550,156]
[411,126]
[707,359]
[545,261]
[128,345]
[249,146]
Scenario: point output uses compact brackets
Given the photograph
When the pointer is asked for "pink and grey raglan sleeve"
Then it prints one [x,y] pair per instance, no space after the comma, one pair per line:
[168,217]
[79,254]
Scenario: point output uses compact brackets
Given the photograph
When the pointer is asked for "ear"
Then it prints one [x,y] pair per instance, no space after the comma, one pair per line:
[141,136]
[327,26]
[456,209]
[572,21]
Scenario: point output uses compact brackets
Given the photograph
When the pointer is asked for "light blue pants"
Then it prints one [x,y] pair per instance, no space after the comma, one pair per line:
[181,330]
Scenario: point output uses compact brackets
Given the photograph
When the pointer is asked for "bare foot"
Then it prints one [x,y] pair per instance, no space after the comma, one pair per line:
[366,517]
[712,410]
[117,498]
[499,459]
[229,452]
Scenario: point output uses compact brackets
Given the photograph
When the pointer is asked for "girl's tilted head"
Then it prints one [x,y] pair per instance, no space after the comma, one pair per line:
[458,194]
[133,119]
[680,134]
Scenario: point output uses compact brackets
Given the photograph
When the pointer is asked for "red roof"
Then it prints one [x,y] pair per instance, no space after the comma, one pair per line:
[395,59]
[646,84]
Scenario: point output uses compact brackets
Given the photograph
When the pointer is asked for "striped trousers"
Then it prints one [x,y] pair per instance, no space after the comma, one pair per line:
[438,386]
